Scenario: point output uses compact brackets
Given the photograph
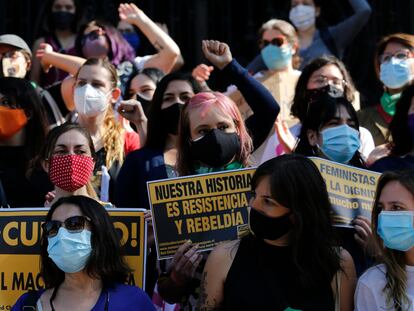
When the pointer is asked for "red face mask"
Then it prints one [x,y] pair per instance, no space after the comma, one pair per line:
[71,172]
[11,121]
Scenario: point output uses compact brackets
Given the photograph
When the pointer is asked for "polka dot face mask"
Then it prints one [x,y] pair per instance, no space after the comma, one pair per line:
[71,172]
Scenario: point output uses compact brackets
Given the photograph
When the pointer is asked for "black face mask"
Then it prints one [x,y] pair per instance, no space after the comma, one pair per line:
[216,148]
[328,90]
[145,103]
[170,117]
[270,228]
[63,20]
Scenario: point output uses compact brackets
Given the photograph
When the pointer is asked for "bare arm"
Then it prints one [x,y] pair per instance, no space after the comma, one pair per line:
[49,58]
[168,50]
[214,276]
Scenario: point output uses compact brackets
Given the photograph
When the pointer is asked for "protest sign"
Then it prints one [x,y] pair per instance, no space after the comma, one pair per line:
[351,190]
[20,235]
[206,209]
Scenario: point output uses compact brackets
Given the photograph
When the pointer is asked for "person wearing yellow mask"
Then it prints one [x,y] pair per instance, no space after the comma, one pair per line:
[23,128]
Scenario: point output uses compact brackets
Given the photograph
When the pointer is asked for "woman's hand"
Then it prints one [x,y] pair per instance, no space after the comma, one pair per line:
[44,49]
[364,235]
[379,152]
[132,111]
[285,137]
[49,197]
[218,53]
[185,262]
[202,72]
[129,12]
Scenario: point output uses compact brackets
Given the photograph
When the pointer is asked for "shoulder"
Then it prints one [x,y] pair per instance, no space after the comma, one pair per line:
[24,299]
[222,256]
[373,275]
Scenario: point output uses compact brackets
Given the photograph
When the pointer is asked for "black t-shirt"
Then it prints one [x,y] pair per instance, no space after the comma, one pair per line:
[263,277]
[20,190]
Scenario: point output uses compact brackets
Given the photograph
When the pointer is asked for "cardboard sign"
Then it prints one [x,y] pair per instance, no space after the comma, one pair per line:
[206,209]
[351,190]
[20,234]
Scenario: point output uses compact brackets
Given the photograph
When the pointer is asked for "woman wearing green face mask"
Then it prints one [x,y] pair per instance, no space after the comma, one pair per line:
[394,65]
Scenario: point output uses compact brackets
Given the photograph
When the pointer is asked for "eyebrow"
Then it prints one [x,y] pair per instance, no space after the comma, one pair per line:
[76,146]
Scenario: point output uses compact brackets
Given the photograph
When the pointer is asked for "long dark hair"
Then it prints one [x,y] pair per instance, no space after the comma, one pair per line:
[398,128]
[106,261]
[394,260]
[311,240]
[22,94]
[154,74]
[300,103]
[320,112]
[157,134]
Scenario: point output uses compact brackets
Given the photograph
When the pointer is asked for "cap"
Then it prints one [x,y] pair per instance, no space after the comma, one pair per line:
[15,41]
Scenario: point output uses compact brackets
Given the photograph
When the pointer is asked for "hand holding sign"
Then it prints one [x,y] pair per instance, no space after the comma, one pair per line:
[185,263]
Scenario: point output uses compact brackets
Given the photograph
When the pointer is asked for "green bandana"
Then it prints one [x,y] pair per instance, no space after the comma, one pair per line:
[388,102]
[201,169]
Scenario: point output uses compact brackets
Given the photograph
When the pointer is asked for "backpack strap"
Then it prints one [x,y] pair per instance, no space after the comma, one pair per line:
[328,40]
[30,301]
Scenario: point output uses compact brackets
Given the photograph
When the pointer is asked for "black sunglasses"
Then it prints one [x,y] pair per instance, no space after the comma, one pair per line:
[278,41]
[72,224]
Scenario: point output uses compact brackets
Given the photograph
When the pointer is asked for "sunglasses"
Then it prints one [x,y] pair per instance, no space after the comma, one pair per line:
[72,224]
[278,41]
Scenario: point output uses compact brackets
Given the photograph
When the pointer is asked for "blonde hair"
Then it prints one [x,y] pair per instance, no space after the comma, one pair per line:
[113,139]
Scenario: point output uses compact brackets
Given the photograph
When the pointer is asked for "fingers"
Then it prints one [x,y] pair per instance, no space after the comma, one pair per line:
[181,250]
[185,258]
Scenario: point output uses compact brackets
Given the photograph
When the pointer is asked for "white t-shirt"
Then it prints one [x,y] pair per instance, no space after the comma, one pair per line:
[369,294]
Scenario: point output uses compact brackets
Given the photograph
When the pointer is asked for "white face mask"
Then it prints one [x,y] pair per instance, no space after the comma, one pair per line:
[90,101]
[303,16]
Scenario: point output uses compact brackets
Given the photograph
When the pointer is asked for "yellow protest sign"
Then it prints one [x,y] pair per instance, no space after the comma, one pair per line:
[351,190]
[20,234]
[206,208]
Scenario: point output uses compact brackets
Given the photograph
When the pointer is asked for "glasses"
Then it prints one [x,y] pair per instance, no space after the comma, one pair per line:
[278,41]
[72,224]
[399,55]
[93,35]
[324,80]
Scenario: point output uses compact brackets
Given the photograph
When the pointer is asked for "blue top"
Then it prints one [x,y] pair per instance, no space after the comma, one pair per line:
[121,298]
[147,164]
[393,163]
[342,35]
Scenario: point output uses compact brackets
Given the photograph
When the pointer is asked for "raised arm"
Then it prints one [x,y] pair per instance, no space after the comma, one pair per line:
[344,32]
[260,100]
[168,50]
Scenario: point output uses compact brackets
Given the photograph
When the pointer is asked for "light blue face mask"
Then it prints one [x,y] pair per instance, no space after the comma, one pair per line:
[70,251]
[340,143]
[396,229]
[275,57]
[396,73]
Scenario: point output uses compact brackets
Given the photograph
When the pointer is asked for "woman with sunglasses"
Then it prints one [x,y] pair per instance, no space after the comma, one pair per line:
[394,66]
[315,41]
[81,262]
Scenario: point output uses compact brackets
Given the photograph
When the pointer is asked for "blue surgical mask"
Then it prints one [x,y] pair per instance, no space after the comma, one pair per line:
[133,39]
[275,57]
[70,251]
[340,143]
[396,229]
[396,73]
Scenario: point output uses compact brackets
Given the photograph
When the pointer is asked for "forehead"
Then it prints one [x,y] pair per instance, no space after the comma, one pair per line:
[63,3]
[395,191]
[272,33]
[393,47]
[65,211]
[263,186]
[94,72]
[342,113]
[306,2]
[141,80]
[92,26]
[179,86]
[209,116]
[72,137]
[329,70]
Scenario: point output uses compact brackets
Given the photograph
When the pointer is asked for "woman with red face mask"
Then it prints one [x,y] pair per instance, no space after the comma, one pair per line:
[23,128]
